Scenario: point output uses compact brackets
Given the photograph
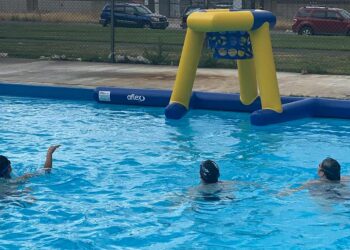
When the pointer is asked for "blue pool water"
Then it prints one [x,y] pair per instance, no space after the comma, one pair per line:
[125,178]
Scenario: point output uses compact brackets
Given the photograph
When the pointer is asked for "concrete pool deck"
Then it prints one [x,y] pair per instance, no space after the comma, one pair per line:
[91,75]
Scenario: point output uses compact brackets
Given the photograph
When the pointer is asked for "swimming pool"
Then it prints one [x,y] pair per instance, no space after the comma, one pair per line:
[123,178]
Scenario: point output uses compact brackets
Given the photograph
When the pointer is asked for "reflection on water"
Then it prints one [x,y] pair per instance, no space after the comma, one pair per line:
[11,193]
[337,191]
[221,191]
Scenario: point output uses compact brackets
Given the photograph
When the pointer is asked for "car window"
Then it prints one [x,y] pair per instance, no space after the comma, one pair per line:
[130,10]
[319,14]
[333,15]
[192,10]
[345,14]
[119,9]
[143,10]
[303,13]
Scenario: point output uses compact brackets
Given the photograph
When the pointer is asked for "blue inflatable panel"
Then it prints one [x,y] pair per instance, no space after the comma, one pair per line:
[140,97]
[175,111]
[291,111]
[262,16]
[224,102]
[333,108]
[293,107]
[288,99]
[50,92]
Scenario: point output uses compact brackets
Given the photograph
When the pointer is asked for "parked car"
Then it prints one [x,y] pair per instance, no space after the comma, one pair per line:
[133,15]
[192,9]
[321,20]
[186,13]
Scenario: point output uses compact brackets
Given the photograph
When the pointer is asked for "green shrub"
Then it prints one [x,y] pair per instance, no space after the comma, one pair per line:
[157,56]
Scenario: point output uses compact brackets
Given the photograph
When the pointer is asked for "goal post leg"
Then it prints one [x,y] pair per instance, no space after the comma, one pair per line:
[265,68]
[247,81]
[182,90]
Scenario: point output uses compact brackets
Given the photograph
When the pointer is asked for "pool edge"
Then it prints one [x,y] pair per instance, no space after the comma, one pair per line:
[294,107]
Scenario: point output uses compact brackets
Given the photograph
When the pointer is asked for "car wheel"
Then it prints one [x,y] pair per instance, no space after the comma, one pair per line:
[147,26]
[306,31]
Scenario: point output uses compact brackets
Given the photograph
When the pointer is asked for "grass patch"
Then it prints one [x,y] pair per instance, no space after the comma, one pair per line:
[91,42]
[54,17]
[283,24]
[329,43]
[317,61]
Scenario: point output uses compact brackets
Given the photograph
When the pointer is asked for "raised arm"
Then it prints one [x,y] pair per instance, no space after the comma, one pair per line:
[47,166]
[48,162]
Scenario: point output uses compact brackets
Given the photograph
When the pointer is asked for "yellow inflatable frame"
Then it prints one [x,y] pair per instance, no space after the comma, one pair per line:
[257,74]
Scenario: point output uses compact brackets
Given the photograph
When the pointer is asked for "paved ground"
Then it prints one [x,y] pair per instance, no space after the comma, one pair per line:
[84,74]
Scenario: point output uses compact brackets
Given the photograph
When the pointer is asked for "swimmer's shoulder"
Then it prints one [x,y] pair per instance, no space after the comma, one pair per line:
[225,183]
[345,179]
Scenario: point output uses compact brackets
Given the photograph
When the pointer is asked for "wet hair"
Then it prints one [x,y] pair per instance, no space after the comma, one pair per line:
[4,166]
[209,171]
[331,169]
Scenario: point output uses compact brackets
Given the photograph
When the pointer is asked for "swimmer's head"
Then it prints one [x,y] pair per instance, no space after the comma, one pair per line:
[209,171]
[5,167]
[330,169]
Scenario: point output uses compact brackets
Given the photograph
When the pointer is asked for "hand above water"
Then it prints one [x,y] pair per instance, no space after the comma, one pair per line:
[48,162]
[52,149]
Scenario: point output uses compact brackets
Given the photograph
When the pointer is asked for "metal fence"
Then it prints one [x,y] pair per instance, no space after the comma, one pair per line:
[71,30]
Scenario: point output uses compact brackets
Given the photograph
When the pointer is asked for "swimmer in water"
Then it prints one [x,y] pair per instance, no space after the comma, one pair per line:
[6,167]
[329,170]
[209,172]
[210,188]
[329,173]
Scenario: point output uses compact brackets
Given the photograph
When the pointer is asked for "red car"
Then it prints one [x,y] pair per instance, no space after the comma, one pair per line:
[321,20]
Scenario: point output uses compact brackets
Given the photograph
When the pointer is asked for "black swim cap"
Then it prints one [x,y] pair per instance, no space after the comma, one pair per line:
[209,171]
[331,169]
[4,165]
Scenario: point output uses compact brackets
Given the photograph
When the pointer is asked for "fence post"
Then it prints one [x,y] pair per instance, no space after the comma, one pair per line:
[112,54]
[32,5]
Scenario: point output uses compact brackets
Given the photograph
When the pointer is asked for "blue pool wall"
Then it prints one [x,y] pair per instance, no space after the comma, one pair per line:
[293,107]
[50,92]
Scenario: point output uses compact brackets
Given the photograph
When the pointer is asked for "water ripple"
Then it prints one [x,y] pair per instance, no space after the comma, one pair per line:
[125,177]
